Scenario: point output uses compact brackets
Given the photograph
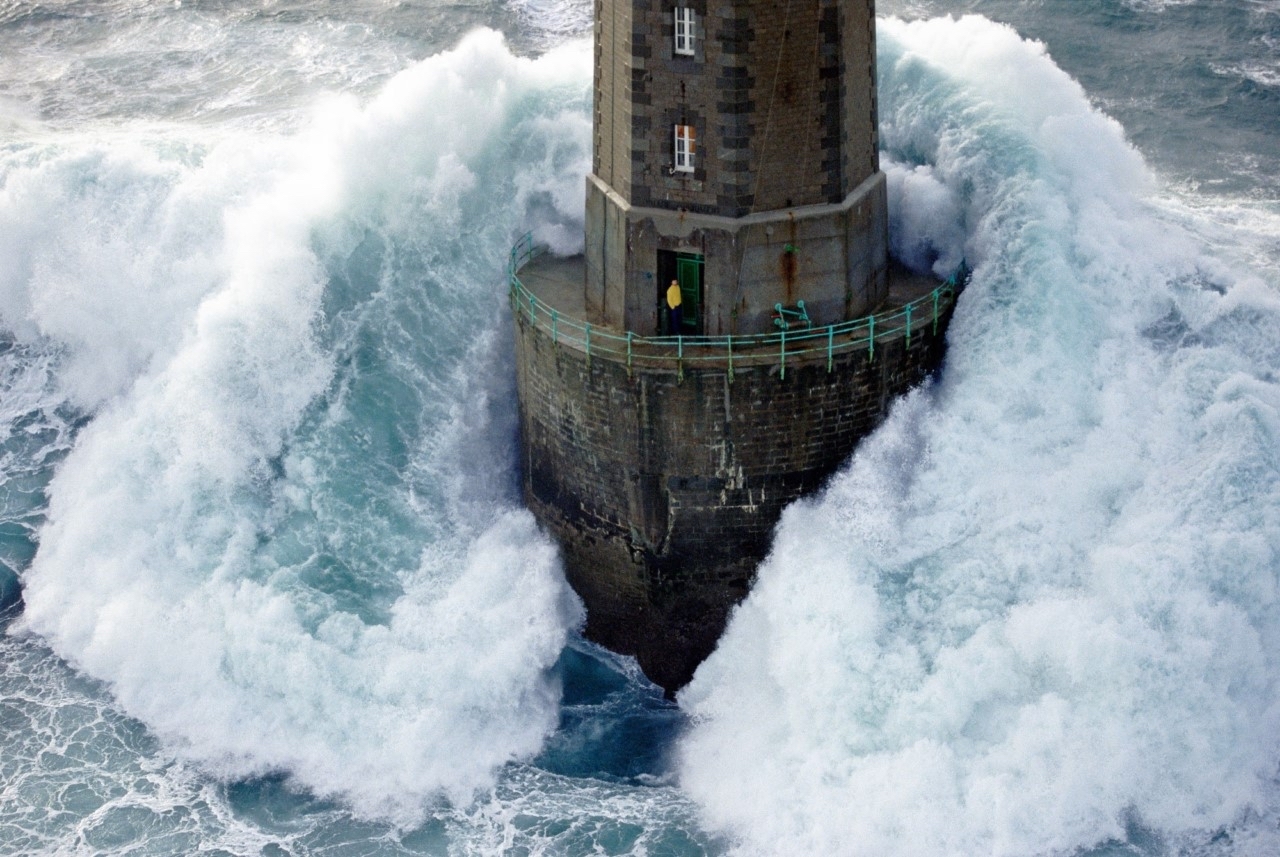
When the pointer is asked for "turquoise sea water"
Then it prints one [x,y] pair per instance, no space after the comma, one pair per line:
[278,595]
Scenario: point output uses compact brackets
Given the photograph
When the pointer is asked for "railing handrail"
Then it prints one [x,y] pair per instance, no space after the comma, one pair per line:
[744,349]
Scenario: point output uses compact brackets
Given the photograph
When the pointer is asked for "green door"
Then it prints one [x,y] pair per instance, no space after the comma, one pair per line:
[689,275]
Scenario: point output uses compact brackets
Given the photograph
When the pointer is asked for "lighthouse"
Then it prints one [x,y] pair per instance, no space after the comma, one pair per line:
[734,165]
[734,152]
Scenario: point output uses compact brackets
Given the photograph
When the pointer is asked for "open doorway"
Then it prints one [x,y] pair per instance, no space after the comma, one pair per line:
[685,269]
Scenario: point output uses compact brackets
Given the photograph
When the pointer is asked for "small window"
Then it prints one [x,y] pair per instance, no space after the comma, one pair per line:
[685,21]
[686,148]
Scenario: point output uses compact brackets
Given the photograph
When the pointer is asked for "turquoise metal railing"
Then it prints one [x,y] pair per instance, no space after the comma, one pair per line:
[745,350]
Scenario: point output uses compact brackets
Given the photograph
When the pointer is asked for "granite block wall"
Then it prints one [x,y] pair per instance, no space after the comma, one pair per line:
[776,92]
[663,492]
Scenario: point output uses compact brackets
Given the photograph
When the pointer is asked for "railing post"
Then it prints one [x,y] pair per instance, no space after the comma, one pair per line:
[871,336]
[555,327]
[908,308]
[782,357]
[730,359]
[679,357]
[935,311]
[630,334]
[831,335]
[588,345]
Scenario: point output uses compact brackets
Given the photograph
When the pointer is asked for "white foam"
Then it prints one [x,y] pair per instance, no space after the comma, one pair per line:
[926,224]
[189,297]
[1040,604]
[554,20]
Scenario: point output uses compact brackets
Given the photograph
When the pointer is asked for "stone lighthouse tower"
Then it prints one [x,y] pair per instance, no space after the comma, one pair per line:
[735,152]
[735,156]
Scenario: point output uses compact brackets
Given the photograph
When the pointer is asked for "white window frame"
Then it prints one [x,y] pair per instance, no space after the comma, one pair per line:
[686,147]
[686,21]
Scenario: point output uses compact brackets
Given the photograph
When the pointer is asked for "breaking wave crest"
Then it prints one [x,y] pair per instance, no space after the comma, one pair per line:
[1037,612]
[289,539]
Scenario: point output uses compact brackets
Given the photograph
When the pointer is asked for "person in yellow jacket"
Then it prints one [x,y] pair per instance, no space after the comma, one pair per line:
[674,314]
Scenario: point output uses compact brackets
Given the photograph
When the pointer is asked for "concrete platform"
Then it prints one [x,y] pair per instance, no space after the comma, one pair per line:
[559,281]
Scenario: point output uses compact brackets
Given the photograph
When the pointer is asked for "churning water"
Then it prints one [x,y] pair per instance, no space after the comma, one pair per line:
[259,487]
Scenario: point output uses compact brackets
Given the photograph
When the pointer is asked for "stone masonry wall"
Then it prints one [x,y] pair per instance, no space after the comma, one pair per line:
[778,93]
[611,150]
[859,110]
[664,493]
[833,258]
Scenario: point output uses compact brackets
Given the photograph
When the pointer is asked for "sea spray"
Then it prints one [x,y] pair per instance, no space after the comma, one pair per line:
[189,94]
[1037,612]
[220,546]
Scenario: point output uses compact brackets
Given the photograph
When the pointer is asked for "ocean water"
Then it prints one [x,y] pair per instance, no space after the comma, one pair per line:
[268,586]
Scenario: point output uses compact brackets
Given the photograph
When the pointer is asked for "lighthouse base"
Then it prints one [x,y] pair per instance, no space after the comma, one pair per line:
[651,607]
[663,482]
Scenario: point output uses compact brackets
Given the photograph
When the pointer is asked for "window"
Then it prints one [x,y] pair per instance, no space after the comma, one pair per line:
[686,147]
[685,20]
